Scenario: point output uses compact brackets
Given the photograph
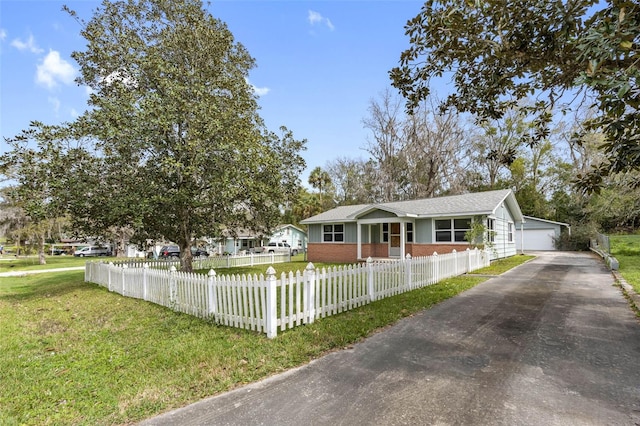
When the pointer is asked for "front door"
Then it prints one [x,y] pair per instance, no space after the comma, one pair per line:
[394,240]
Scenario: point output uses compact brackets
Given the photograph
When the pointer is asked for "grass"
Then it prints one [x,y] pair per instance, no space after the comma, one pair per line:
[29,263]
[73,353]
[626,249]
[503,265]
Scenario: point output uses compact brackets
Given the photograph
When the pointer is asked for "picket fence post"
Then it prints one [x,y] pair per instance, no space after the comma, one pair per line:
[270,320]
[145,268]
[468,260]
[109,275]
[172,285]
[436,267]
[372,295]
[310,293]
[212,299]
[407,280]
[455,262]
[124,279]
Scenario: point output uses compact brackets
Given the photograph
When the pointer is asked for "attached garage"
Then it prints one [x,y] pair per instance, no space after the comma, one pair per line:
[538,234]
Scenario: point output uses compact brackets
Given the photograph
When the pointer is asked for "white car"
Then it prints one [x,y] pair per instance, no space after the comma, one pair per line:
[92,251]
[275,247]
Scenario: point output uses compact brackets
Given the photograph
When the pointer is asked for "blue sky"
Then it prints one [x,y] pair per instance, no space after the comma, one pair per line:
[318,64]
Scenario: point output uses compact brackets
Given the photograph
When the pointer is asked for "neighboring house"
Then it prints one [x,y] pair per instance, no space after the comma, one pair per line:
[539,234]
[417,227]
[246,241]
[294,236]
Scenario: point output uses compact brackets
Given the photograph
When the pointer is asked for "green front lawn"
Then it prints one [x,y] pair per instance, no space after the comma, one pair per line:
[626,249]
[73,353]
[29,263]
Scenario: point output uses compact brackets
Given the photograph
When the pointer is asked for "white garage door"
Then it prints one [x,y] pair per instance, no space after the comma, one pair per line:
[536,239]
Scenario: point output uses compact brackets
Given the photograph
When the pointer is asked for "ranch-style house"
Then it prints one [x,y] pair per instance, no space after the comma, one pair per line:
[416,227]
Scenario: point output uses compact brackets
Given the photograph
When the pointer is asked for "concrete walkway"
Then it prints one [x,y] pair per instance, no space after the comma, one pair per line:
[39,271]
[552,342]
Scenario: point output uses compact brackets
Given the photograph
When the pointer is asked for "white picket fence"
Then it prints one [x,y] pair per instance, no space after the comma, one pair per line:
[264,302]
[212,262]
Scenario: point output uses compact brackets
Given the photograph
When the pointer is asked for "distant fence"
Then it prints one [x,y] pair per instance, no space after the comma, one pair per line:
[601,242]
[264,302]
[212,262]
[601,245]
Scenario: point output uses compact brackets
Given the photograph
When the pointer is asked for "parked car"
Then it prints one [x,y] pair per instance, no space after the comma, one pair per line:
[174,251]
[169,251]
[199,252]
[92,251]
[275,247]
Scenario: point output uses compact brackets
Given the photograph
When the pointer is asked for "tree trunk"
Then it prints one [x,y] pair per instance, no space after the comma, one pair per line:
[41,258]
[184,242]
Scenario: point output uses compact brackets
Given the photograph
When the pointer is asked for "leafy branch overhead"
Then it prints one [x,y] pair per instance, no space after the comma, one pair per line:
[498,52]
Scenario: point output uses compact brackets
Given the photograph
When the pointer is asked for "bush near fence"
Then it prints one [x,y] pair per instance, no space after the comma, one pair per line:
[265,302]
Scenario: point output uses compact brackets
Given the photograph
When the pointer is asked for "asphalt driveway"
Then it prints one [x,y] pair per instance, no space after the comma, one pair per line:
[552,342]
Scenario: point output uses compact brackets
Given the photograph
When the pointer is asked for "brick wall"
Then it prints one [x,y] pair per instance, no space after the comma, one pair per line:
[419,250]
[347,253]
[327,252]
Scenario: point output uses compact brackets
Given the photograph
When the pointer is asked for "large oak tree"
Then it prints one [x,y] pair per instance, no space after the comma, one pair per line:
[175,123]
[498,52]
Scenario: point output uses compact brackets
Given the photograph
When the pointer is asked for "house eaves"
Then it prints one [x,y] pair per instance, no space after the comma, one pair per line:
[472,204]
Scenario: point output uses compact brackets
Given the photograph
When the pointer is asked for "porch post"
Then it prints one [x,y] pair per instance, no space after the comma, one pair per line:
[359,232]
[402,239]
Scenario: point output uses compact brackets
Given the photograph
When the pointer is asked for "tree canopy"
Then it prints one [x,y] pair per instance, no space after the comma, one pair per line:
[499,52]
[180,149]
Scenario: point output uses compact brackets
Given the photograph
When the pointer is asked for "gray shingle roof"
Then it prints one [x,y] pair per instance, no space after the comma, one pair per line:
[478,203]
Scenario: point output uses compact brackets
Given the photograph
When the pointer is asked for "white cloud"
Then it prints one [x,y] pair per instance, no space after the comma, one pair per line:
[29,45]
[317,18]
[54,70]
[259,91]
[74,113]
[3,34]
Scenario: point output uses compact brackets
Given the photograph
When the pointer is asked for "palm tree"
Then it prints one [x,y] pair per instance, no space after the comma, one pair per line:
[319,179]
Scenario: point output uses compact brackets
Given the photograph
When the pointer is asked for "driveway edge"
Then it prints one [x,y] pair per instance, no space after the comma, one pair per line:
[628,291]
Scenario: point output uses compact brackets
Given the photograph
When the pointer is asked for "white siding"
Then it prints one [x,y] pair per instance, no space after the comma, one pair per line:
[502,247]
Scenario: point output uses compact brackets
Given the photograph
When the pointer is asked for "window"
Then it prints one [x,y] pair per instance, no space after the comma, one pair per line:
[333,233]
[385,232]
[409,232]
[511,232]
[491,230]
[452,230]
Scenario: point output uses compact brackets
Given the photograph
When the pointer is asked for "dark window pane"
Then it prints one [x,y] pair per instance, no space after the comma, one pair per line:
[339,237]
[410,237]
[443,224]
[338,228]
[462,223]
[442,236]
[328,237]
[385,227]
[409,226]
[327,228]
[460,236]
